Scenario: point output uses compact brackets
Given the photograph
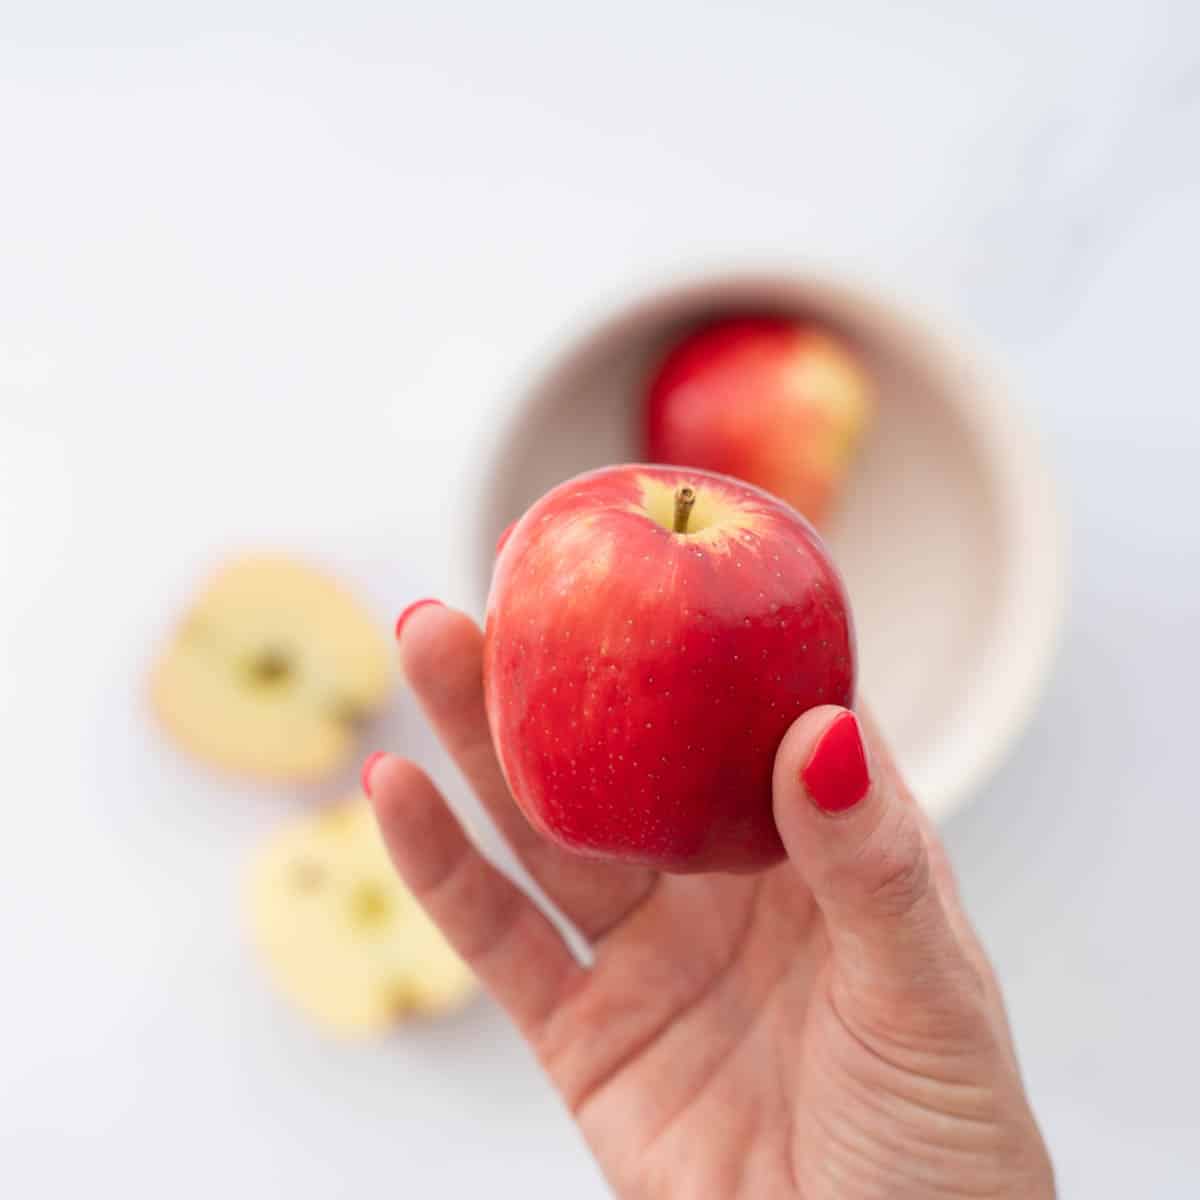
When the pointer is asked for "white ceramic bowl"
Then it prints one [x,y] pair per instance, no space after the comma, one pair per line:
[948,536]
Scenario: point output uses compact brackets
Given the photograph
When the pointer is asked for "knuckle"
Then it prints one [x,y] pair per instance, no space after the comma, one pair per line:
[896,877]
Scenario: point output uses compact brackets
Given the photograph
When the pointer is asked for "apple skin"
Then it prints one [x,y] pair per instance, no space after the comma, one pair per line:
[780,403]
[639,681]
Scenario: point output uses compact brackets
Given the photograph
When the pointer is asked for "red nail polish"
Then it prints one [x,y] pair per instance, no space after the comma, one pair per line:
[408,612]
[836,775]
[368,767]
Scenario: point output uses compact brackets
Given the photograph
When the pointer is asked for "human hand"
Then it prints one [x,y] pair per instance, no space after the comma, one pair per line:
[827,1028]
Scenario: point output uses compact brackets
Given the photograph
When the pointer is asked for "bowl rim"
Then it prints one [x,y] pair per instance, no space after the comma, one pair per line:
[1013,449]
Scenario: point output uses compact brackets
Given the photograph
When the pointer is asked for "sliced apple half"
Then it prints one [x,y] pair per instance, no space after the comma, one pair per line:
[271,670]
[341,935]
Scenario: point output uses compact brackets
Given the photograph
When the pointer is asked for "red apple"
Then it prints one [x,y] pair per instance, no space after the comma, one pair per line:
[651,634]
[779,403]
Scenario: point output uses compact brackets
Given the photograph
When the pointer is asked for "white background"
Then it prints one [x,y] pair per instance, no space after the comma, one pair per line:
[267,277]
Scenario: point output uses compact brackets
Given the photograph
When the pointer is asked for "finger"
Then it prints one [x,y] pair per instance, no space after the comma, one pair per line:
[944,876]
[883,763]
[511,947]
[441,652]
[855,835]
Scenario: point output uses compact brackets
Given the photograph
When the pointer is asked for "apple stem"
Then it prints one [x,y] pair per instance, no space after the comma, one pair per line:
[685,497]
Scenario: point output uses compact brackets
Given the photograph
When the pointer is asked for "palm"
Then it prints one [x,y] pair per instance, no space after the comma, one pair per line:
[724,1043]
[671,1089]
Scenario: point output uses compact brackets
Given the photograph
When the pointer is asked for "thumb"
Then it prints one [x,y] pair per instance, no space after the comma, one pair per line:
[856,837]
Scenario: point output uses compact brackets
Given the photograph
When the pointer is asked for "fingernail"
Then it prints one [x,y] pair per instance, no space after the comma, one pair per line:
[408,612]
[369,766]
[836,775]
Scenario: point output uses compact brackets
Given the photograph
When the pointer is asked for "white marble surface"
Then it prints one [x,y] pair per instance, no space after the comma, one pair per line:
[270,285]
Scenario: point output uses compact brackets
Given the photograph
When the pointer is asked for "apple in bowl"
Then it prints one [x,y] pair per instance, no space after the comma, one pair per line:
[780,402]
[651,634]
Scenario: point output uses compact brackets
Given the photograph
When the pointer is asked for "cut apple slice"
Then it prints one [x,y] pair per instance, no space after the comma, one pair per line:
[271,671]
[341,935]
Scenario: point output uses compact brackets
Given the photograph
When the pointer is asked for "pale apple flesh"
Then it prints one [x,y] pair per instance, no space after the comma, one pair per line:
[272,670]
[640,679]
[340,934]
[779,403]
